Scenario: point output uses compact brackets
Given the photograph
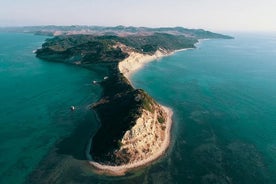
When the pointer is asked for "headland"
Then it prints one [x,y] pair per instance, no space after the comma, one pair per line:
[135,129]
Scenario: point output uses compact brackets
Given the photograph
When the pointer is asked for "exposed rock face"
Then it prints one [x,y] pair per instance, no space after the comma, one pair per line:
[146,129]
[144,138]
[130,123]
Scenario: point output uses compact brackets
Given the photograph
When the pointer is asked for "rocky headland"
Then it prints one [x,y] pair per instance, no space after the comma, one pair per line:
[135,129]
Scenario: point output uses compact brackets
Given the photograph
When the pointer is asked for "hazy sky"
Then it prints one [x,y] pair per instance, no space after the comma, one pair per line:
[208,14]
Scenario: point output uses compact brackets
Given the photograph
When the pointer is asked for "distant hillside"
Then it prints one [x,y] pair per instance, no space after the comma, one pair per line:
[52,30]
[91,49]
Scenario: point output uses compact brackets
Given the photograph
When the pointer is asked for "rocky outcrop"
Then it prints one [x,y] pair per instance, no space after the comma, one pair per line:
[148,134]
[145,138]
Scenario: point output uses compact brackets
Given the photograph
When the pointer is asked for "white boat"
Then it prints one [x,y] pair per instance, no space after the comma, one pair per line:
[72,108]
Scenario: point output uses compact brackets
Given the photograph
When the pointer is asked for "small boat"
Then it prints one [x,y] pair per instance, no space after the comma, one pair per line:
[106,77]
[72,108]
[94,82]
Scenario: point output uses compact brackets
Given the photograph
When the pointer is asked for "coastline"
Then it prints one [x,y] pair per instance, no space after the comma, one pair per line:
[134,62]
[137,61]
[128,67]
[122,169]
[200,41]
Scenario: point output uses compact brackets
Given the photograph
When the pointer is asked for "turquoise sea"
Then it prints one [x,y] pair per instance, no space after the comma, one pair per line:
[223,95]
[35,104]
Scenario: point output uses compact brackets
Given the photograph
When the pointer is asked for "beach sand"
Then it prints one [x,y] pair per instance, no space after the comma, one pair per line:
[137,61]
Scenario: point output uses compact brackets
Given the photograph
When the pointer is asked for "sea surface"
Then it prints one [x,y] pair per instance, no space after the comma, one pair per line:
[36,97]
[223,94]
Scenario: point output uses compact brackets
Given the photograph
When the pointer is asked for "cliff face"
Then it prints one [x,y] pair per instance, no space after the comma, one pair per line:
[145,138]
[118,114]
[132,123]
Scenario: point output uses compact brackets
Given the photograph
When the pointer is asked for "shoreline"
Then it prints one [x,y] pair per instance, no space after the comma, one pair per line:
[200,41]
[137,61]
[134,62]
[122,169]
[128,67]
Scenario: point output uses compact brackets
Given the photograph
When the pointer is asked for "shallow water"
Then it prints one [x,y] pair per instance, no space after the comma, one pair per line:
[224,97]
[35,104]
[222,94]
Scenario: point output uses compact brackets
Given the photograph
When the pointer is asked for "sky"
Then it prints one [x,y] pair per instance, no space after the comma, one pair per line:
[227,15]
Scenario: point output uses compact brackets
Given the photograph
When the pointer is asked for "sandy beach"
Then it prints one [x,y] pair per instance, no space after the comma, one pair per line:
[136,61]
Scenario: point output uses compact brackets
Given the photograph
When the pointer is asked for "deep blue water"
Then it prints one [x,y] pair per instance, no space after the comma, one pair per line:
[223,95]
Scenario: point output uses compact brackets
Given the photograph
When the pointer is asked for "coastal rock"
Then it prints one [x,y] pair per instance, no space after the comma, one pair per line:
[143,139]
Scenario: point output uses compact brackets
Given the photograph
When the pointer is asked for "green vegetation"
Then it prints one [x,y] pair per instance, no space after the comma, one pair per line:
[147,102]
[149,44]
[118,30]
[89,48]
[161,119]
[84,48]
[121,104]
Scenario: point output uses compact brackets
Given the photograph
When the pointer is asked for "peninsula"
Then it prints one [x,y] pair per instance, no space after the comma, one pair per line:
[135,129]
